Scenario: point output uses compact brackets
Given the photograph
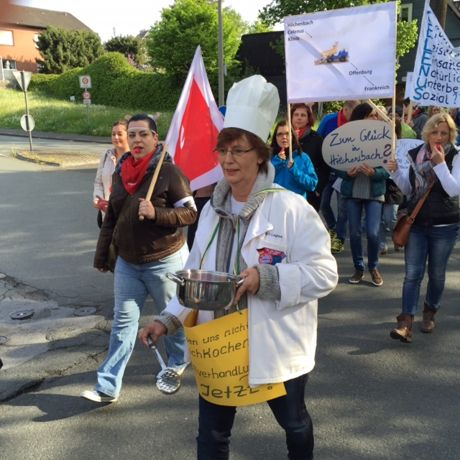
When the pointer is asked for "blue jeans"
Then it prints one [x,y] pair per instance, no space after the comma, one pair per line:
[389,217]
[373,214]
[132,284]
[215,424]
[434,244]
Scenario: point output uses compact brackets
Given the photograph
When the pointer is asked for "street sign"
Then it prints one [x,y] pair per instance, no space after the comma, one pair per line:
[87,101]
[85,81]
[27,123]
[86,95]
[23,78]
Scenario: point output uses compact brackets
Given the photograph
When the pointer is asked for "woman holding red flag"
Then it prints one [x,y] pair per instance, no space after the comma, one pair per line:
[149,241]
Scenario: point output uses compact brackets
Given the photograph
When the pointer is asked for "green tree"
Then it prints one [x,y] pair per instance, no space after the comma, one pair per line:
[172,41]
[133,48]
[62,50]
[278,9]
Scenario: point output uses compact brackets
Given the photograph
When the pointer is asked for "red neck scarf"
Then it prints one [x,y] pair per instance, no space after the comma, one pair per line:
[341,120]
[133,172]
[300,132]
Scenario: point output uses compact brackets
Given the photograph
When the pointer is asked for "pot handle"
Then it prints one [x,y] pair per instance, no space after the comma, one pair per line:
[175,278]
[239,282]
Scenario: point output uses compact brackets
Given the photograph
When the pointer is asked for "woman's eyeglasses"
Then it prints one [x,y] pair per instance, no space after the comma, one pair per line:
[234,152]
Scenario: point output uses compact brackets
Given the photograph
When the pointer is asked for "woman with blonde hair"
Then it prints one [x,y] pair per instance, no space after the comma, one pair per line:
[434,168]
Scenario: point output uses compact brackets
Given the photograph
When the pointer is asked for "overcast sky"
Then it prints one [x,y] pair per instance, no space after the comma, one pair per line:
[122,17]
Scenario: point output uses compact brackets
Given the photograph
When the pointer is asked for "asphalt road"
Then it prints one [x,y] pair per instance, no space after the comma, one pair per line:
[48,234]
[370,397]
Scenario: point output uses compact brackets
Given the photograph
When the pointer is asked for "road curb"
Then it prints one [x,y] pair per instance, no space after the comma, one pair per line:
[19,156]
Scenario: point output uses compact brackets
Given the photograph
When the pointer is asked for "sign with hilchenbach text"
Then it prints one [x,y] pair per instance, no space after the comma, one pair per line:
[358,142]
[220,358]
[436,76]
[342,54]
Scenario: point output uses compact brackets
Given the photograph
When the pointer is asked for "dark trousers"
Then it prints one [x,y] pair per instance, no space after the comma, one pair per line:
[215,424]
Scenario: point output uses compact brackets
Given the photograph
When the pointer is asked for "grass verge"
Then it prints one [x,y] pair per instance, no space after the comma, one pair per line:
[54,115]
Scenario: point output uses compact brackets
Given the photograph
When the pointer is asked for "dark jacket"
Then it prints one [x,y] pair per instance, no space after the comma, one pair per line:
[439,208]
[141,242]
[393,195]
[312,144]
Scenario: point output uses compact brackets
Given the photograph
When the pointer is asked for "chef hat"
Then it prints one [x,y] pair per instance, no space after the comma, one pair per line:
[252,105]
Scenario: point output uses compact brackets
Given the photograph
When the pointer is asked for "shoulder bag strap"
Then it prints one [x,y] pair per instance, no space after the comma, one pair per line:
[419,205]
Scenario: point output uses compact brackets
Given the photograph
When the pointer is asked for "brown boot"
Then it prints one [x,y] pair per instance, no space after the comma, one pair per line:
[427,325]
[403,330]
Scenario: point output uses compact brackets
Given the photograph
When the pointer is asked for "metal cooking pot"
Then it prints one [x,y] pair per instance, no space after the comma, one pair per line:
[205,290]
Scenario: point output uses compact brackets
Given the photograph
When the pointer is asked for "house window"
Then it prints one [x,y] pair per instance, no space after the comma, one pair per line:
[406,12]
[36,39]
[9,64]
[6,37]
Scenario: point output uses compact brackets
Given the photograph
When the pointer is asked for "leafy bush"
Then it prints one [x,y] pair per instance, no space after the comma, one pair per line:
[62,49]
[114,83]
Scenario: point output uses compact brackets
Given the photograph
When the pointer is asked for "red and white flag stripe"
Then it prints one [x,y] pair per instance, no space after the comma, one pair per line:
[196,123]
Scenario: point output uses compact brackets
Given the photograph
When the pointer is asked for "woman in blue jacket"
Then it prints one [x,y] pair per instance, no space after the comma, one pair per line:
[298,174]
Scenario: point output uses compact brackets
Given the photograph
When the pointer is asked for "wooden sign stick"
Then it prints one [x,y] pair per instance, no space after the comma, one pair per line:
[156,173]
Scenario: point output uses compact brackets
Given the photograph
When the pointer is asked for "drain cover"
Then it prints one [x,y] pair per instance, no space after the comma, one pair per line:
[3,339]
[22,314]
[84,311]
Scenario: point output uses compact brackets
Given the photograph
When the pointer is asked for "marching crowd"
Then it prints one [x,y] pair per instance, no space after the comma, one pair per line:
[251,227]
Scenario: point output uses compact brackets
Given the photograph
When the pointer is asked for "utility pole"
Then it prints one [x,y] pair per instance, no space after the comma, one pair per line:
[220,54]
[439,8]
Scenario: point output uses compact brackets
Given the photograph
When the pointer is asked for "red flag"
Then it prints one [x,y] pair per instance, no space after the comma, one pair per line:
[196,123]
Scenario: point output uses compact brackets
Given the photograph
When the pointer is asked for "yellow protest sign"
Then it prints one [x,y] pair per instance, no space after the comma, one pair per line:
[220,359]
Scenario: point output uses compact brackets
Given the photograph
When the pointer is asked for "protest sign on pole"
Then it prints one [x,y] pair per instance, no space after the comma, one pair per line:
[196,123]
[341,54]
[358,142]
[436,79]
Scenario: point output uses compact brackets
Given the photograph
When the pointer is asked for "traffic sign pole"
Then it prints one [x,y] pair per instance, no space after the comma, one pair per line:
[24,85]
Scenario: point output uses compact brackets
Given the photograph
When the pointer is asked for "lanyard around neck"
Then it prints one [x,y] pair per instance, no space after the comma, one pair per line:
[237,265]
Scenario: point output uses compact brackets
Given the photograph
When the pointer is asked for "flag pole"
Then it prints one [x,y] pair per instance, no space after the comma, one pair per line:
[380,111]
[155,175]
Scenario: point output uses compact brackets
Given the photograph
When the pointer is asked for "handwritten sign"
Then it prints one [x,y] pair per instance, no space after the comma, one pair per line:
[436,79]
[402,147]
[220,359]
[358,142]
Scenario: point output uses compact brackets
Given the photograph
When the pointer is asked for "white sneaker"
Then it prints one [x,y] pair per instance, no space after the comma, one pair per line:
[178,369]
[97,396]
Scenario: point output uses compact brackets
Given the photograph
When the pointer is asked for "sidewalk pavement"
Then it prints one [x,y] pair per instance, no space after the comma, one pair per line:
[40,339]
[75,155]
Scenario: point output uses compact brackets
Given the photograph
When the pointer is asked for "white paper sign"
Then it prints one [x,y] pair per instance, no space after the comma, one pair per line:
[408,88]
[402,147]
[436,79]
[358,142]
[341,54]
